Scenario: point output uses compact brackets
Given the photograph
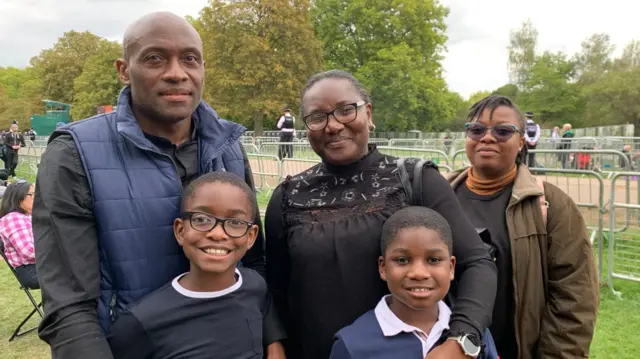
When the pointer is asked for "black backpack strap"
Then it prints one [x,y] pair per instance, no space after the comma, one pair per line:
[405,181]
[412,185]
[418,170]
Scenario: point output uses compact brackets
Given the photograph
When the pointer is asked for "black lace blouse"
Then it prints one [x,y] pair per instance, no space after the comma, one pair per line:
[323,242]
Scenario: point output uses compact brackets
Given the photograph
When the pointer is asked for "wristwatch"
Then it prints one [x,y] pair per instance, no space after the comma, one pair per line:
[469,343]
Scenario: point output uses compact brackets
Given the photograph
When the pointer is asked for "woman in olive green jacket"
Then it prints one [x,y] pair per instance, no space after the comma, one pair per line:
[548,290]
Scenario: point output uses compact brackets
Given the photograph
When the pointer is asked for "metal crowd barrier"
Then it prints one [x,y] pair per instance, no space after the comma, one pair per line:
[251,148]
[293,166]
[266,171]
[587,189]
[607,161]
[379,141]
[624,246]
[300,150]
[617,142]
[459,159]
[28,167]
[437,156]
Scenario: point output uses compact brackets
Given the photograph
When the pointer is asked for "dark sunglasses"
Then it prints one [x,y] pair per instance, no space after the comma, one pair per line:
[476,131]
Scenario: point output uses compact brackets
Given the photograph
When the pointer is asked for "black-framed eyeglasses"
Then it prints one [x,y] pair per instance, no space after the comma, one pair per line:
[204,222]
[476,131]
[344,114]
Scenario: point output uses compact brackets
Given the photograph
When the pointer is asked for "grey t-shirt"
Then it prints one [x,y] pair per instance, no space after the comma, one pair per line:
[490,212]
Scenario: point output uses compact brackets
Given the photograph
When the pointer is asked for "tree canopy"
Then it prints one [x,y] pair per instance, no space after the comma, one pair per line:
[395,48]
[259,54]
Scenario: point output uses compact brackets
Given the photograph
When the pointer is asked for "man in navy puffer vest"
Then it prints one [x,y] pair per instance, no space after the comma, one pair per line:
[108,188]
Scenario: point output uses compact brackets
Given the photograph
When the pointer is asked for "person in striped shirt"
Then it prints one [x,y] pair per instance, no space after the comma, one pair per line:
[16,232]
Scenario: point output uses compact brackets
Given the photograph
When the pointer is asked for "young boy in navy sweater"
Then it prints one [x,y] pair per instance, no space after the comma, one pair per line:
[418,267]
[215,310]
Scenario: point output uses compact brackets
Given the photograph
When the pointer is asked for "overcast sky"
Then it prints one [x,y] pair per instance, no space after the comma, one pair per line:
[478,29]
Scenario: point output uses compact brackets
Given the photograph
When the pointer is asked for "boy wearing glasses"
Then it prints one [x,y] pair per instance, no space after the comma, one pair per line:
[216,309]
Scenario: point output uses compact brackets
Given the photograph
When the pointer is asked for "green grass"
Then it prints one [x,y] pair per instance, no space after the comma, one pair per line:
[26,171]
[618,322]
[14,306]
[617,325]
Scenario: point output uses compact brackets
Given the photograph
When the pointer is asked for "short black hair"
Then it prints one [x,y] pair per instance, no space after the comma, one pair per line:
[219,177]
[412,217]
[15,193]
[333,74]
[492,102]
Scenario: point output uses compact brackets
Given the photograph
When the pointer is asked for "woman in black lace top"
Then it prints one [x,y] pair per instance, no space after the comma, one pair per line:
[323,228]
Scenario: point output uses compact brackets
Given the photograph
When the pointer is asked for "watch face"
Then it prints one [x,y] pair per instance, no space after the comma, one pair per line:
[469,347]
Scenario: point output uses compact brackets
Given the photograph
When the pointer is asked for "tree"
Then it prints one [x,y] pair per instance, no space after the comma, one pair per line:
[595,59]
[354,31]
[461,108]
[394,47]
[614,98]
[98,84]
[58,67]
[552,94]
[508,90]
[522,53]
[630,56]
[21,95]
[477,96]
[259,55]
[406,97]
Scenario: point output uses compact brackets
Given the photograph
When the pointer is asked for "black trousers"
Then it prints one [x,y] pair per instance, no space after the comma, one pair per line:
[28,276]
[285,150]
[12,161]
[531,161]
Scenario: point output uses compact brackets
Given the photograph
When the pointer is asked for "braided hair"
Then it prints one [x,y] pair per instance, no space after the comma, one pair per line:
[492,102]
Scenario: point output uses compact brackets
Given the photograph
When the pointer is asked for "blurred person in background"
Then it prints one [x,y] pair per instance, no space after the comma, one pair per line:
[17,233]
[531,136]
[565,144]
[287,126]
[13,140]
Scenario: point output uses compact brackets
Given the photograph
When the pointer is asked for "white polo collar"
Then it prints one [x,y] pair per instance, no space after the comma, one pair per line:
[391,325]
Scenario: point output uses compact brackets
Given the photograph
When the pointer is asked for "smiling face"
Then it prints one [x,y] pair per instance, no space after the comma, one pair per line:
[338,143]
[164,68]
[215,251]
[418,269]
[489,157]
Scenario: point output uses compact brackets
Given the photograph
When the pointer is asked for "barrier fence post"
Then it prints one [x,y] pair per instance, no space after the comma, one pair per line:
[599,206]
[624,253]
